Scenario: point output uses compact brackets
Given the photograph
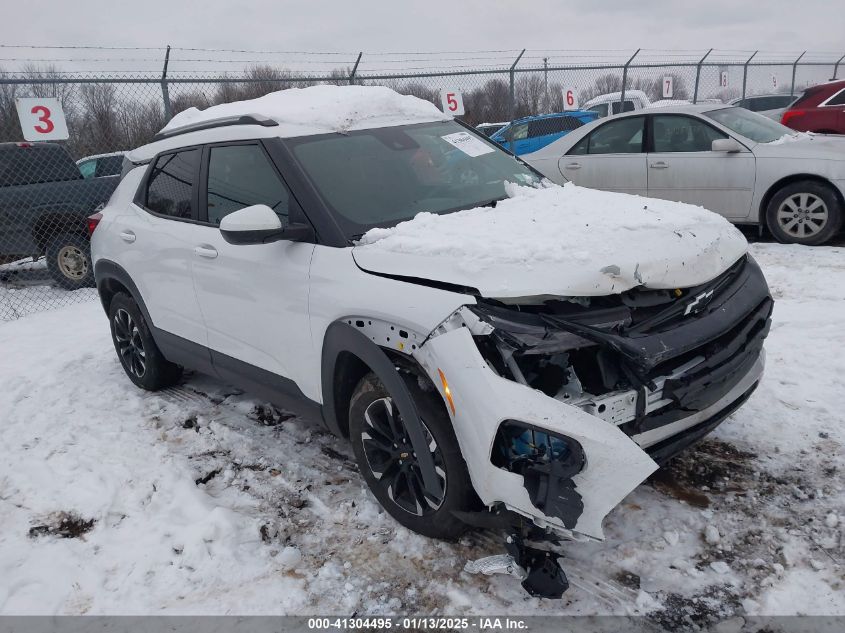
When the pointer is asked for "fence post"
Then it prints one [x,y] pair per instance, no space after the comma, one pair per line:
[836,66]
[512,101]
[355,69]
[165,92]
[745,73]
[625,81]
[794,68]
[698,75]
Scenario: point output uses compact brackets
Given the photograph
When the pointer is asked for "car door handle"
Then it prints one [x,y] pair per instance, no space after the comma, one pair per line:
[573,166]
[127,236]
[206,251]
[659,165]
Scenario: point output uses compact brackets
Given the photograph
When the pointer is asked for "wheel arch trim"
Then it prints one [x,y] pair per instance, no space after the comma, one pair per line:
[106,270]
[343,338]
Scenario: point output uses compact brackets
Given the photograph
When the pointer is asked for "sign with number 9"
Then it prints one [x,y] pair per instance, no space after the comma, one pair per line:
[42,119]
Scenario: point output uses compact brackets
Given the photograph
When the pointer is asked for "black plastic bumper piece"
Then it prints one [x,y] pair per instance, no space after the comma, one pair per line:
[546,578]
[663,451]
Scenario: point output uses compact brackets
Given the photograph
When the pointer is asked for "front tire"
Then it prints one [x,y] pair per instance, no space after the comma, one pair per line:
[136,349]
[389,466]
[69,261]
[804,212]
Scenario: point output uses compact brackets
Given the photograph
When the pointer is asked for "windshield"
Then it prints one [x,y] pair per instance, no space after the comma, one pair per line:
[750,124]
[379,177]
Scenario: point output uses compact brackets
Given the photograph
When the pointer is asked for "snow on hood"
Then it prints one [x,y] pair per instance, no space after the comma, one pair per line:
[322,109]
[804,145]
[558,241]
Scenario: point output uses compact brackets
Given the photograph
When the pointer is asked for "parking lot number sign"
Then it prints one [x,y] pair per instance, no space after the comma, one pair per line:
[570,99]
[42,119]
[668,87]
[723,80]
[774,82]
[452,101]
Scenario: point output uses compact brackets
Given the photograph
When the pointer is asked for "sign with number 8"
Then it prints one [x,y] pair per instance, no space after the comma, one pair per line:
[42,119]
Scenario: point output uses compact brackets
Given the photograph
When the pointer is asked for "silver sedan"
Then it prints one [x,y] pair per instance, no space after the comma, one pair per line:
[737,163]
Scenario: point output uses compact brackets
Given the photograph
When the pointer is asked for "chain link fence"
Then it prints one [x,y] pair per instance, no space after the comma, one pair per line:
[47,190]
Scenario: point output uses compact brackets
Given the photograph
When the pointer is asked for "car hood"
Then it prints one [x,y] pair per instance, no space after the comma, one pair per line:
[565,241]
[803,145]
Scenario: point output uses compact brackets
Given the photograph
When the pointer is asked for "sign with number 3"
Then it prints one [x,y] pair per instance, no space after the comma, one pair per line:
[452,102]
[42,119]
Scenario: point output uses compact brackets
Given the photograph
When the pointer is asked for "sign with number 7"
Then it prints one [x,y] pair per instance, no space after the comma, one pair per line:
[452,102]
[42,119]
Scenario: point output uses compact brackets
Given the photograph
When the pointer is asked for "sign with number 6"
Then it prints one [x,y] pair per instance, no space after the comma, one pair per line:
[42,119]
[570,99]
[668,87]
[452,102]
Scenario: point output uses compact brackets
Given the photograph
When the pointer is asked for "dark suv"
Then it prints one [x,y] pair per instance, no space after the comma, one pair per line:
[44,203]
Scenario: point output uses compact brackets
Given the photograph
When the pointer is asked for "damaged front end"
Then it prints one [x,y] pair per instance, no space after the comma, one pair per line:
[659,367]
[654,363]
[565,405]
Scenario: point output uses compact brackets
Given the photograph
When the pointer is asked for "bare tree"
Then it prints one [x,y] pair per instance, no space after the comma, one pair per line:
[419,90]
[9,128]
[488,104]
[529,92]
[97,127]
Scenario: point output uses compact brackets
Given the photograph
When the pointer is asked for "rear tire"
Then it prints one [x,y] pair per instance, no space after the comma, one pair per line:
[69,261]
[388,463]
[136,349]
[805,212]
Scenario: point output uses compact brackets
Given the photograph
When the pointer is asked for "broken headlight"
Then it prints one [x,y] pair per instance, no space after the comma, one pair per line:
[548,462]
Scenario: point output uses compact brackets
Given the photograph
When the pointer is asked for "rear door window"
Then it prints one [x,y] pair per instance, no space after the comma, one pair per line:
[108,166]
[837,99]
[240,176]
[87,168]
[170,188]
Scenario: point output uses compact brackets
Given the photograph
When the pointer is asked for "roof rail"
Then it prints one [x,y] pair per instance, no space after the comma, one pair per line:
[240,119]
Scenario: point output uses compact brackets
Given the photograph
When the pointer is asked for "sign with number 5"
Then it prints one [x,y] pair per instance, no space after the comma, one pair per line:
[570,99]
[42,119]
[452,102]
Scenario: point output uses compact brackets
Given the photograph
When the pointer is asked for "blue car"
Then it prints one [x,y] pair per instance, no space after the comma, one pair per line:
[532,133]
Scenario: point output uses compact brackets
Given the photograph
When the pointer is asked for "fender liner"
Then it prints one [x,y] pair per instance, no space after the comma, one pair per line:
[341,337]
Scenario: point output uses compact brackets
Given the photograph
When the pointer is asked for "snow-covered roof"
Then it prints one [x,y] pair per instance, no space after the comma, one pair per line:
[301,112]
[323,108]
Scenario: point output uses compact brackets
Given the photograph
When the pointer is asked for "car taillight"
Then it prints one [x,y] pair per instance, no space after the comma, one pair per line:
[93,221]
[791,114]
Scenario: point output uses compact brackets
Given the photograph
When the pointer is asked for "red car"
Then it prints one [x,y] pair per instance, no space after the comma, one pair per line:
[820,109]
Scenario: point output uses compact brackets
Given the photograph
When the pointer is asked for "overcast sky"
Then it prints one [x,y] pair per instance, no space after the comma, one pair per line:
[431,25]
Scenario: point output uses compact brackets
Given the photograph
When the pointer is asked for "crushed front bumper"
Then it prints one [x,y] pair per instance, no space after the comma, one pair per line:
[677,394]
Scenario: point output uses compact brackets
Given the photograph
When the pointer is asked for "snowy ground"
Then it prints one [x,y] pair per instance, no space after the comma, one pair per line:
[201,500]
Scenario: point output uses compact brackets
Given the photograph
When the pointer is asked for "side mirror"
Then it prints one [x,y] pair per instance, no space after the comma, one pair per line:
[259,224]
[726,145]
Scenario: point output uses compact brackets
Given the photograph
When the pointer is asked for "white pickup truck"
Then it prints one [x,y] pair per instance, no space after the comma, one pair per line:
[611,103]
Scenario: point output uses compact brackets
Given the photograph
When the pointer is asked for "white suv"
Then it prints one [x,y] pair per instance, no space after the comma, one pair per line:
[499,350]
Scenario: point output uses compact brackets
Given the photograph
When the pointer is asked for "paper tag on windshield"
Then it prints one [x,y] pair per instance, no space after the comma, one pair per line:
[467,143]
